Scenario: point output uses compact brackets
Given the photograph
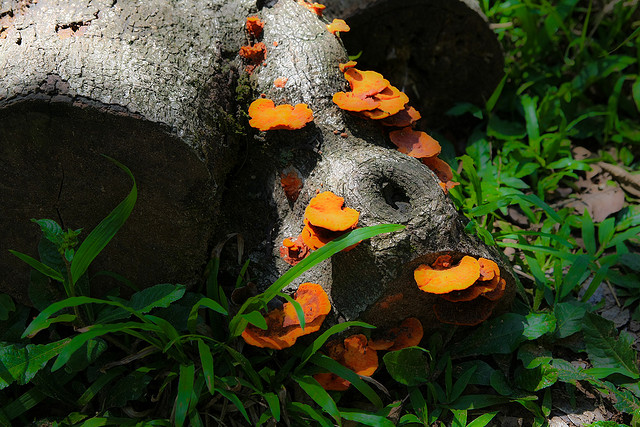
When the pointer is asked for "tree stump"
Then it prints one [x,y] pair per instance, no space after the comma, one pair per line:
[158,87]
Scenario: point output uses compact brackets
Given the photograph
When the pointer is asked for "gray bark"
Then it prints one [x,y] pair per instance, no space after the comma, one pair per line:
[156,87]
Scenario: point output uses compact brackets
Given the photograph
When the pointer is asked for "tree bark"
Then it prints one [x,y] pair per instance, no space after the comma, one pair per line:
[158,87]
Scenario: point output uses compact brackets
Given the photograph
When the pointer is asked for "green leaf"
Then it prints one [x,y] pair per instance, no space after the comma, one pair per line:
[408,366]
[203,302]
[635,90]
[274,405]
[319,395]
[21,363]
[331,365]
[233,398]
[50,230]
[539,324]
[604,350]
[478,401]
[130,387]
[536,379]
[297,307]
[185,389]
[104,232]
[42,268]
[531,118]
[256,319]
[574,277]
[86,355]
[156,296]
[500,335]
[102,380]
[206,359]
[493,99]
[533,355]
[7,306]
[569,317]
[568,373]
[308,410]
[631,260]
[588,233]
[483,420]
[335,329]
[470,169]
[367,419]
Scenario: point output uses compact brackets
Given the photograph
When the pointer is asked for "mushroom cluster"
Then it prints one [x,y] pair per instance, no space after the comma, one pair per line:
[373,97]
[283,324]
[470,288]
[360,355]
[325,219]
[316,8]
[255,52]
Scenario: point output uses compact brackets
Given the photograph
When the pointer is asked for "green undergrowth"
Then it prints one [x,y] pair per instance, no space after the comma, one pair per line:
[168,356]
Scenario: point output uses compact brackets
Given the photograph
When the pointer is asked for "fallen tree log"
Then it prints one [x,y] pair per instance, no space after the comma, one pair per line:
[158,87]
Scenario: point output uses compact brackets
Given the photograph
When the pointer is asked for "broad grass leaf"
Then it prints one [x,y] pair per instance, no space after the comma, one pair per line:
[185,389]
[305,409]
[588,233]
[206,359]
[233,398]
[319,395]
[102,380]
[86,355]
[274,404]
[297,307]
[42,268]
[366,419]
[331,365]
[130,387]
[6,306]
[631,260]
[408,366]
[203,302]
[505,129]
[606,349]
[500,335]
[20,363]
[482,420]
[156,296]
[574,277]
[635,90]
[533,355]
[105,230]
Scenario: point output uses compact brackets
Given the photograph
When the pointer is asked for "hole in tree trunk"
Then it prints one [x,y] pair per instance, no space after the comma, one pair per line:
[395,197]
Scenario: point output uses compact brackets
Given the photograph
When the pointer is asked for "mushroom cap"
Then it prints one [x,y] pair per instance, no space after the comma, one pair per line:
[338,25]
[326,210]
[292,252]
[274,336]
[266,116]
[254,26]
[488,269]
[365,83]
[414,143]
[280,82]
[255,53]
[291,183]
[352,102]
[331,382]
[358,356]
[408,334]
[402,118]
[439,167]
[344,66]
[314,302]
[454,278]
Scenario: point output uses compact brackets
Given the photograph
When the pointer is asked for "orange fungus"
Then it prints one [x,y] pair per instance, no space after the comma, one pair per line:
[454,278]
[266,116]
[414,143]
[254,26]
[338,25]
[326,210]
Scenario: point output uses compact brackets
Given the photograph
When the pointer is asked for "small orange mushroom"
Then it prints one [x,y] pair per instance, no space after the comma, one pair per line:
[291,183]
[403,118]
[488,269]
[292,252]
[316,8]
[280,82]
[344,66]
[326,210]
[354,353]
[255,54]
[314,302]
[451,279]
[283,325]
[439,167]
[254,26]
[338,25]
[266,116]
[352,102]
[446,186]
[414,143]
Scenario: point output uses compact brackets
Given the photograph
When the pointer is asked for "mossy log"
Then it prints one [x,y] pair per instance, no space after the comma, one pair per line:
[160,88]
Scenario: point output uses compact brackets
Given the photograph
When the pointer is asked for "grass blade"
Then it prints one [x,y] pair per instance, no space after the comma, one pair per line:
[206,358]
[319,342]
[185,388]
[42,268]
[104,232]
[320,396]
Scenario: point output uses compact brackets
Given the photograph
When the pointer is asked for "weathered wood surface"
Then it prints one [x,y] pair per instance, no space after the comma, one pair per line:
[157,87]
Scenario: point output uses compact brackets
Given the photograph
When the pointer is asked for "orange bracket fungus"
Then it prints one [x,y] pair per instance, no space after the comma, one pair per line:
[408,334]
[338,26]
[325,219]
[469,291]
[266,116]
[354,353]
[316,8]
[403,118]
[291,183]
[345,66]
[254,26]
[283,325]
[414,143]
[280,82]
[353,102]
[454,278]
[292,252]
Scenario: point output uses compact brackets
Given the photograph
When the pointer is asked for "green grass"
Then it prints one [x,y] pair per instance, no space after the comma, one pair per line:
[172,356]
